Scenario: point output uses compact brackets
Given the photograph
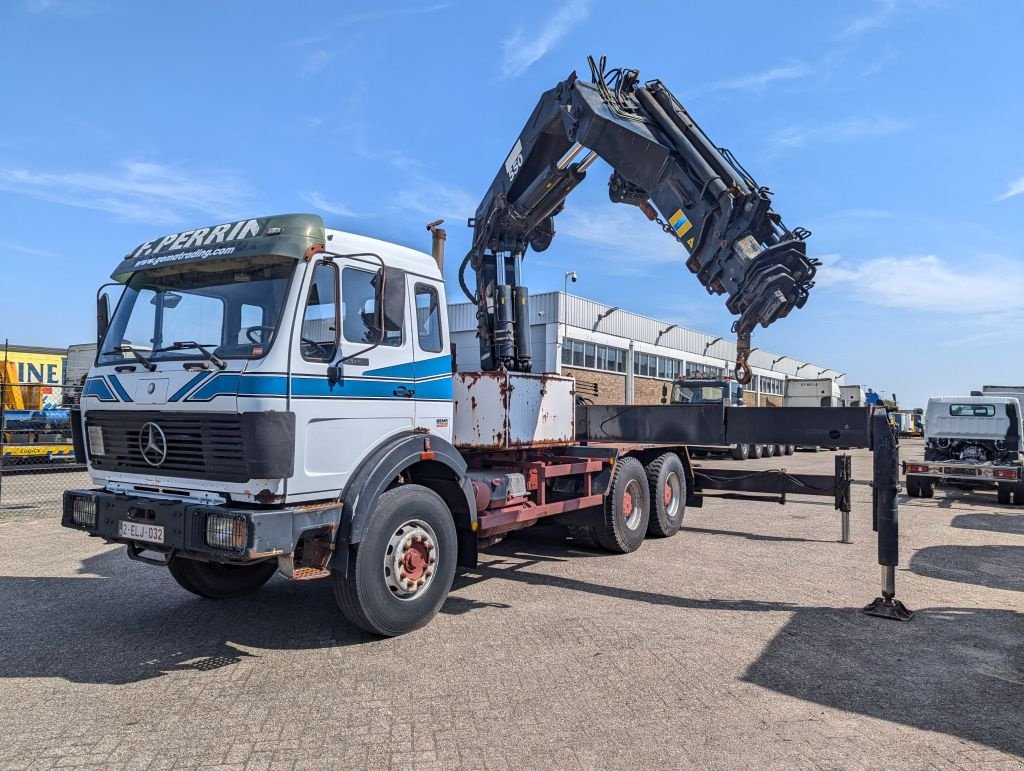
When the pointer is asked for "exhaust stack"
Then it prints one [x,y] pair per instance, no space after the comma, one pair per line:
[438,236]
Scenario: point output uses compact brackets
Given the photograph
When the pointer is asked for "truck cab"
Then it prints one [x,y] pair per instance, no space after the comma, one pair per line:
[252,381]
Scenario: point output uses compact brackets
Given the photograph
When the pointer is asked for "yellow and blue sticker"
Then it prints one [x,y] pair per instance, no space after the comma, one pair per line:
[681,225]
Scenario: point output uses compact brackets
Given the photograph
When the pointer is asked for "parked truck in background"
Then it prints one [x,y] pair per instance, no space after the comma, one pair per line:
[690,390]
[852,396]
[271,395]
[812,392]
[971,442]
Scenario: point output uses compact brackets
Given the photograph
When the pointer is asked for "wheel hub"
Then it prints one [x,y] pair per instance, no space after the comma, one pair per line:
[631,499]
[410,559]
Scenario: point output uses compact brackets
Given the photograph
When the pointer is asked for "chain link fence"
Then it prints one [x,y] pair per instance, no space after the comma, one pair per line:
[37,459]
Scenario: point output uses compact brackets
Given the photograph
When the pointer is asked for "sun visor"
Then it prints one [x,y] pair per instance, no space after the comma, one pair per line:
[285,235]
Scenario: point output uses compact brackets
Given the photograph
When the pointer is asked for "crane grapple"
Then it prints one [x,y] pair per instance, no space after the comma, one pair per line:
[663,163]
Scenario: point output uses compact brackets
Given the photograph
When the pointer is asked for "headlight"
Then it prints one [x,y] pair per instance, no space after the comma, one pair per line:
[227,531]
[83,512]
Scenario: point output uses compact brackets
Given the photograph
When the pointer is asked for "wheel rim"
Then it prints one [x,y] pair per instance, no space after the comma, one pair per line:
[632,500]
[410,559]
[672,493]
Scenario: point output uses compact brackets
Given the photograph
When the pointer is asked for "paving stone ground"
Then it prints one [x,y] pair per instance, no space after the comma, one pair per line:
[737,643]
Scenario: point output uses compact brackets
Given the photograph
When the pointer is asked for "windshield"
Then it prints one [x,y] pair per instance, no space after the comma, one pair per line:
[697,394]
[230,307]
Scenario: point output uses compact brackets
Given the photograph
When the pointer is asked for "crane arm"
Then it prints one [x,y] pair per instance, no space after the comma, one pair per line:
[663,163]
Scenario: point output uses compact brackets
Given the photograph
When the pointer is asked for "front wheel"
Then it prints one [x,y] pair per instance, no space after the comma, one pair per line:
[219,581]
[399,575]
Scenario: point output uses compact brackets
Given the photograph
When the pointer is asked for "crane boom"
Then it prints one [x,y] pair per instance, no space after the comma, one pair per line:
[663,163]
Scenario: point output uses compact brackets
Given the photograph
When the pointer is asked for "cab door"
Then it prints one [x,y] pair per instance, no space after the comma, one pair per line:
[433,372]
[340,420]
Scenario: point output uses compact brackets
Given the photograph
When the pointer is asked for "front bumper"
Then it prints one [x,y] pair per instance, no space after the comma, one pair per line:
[196,530]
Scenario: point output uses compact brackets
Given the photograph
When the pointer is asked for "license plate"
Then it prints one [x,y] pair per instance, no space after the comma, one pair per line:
[138,531]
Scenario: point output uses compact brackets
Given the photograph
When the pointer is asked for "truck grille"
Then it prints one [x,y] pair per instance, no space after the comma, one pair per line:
[199,445]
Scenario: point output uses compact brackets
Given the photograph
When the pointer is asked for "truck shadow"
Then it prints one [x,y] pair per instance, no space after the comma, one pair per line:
[121,623]
[959,671]
[993,523]
[997,567]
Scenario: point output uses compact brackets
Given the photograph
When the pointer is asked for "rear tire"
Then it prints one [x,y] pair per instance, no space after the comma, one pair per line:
[756,451]
[927,488]
[1018,495]
[740,451]
[1003,494]
[399,575]
[627,509]
[218,581]
[667,480]
[913,487]
[790,449]
[771,450]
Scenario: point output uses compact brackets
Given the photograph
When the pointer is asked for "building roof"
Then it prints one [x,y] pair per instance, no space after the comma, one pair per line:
[581,313]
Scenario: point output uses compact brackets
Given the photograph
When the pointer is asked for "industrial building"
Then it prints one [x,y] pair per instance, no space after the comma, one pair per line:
[621,357]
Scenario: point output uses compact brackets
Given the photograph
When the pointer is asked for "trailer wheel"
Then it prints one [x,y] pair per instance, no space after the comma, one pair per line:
[1003,494]
[790,449]
[217,581]
[771,450]
[740,451]
[667,480]
[400,573]
[627,509]
[756,451]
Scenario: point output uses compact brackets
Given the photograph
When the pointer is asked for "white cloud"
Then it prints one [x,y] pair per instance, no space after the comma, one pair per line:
[330,207]
[759,80]
[138,191]
[390,13]
[856,127]
[523,49]
[73,8]
[929,284]
[629,243]
[434,200]
[316,61]
[1016,188]
[878,18]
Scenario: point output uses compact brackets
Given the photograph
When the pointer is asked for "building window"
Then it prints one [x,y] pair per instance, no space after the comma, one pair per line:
[576,353]
[704,371]
[770,385]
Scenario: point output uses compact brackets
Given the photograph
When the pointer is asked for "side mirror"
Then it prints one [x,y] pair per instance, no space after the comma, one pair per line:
[102,317]
[389,299]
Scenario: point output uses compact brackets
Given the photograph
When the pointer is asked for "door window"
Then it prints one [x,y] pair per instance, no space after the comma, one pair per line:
[428,319]
[359,324]
[320,321]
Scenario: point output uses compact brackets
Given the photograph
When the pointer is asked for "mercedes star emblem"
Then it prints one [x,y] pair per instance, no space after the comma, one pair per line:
[153,443]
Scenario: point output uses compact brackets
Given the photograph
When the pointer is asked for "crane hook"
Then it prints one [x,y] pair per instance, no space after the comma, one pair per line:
[743,371]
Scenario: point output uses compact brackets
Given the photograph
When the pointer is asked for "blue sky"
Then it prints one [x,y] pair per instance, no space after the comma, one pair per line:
[892,130]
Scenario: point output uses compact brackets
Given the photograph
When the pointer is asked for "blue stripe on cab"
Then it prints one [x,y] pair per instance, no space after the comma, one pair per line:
[119,388]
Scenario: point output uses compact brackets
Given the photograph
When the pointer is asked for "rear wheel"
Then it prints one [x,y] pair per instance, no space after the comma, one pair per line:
[927,488]
[790,449]
[740,451]
[218,581]
[756,450]
[626,509]
[400,573]
[1003,494]
[667,480]
[770,450]
[1018,495]
[913,487]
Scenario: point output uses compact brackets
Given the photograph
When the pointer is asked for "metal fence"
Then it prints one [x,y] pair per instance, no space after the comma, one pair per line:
[37,459]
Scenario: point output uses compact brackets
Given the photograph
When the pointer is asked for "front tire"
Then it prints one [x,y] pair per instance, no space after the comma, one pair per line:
[219,581]
[627,510]
[399,575]
[667,480]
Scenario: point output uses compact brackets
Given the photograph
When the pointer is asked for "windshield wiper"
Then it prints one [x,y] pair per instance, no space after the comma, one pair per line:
[125,348]
[180,345]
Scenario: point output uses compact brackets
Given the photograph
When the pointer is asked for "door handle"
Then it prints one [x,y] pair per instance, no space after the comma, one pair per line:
[404,392]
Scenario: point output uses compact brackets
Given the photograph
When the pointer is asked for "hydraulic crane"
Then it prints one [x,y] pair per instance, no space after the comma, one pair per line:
[662,163]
